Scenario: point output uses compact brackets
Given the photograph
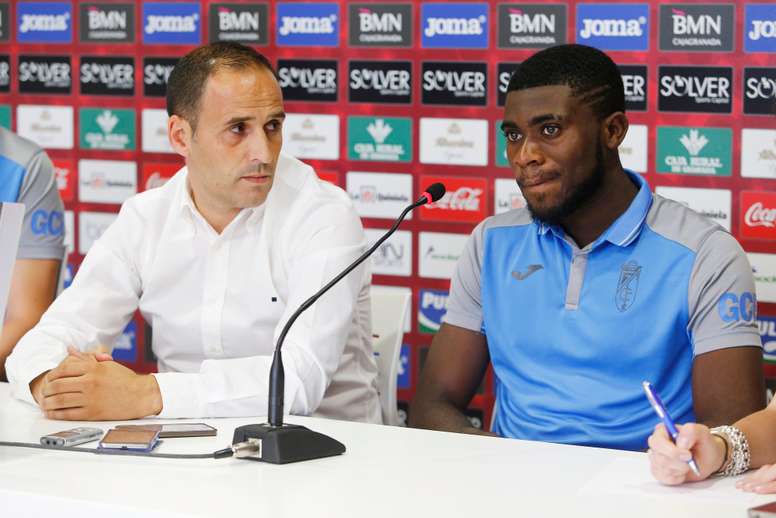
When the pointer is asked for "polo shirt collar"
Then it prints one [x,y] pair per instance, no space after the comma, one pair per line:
[627,226]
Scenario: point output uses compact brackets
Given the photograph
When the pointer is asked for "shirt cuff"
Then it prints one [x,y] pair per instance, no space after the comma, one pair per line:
[180,395]
[20,388]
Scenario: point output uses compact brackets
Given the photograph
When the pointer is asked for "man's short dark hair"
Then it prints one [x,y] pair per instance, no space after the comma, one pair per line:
[187,80]
[592,76]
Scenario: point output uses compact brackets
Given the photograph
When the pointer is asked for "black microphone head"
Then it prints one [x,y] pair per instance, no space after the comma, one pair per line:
[435,191]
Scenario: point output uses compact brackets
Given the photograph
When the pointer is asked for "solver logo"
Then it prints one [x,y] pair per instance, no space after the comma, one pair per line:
[613,26]
[5,74]
[380,25]
[44,22]
[303,80]
[448,25]
[760,91]
[380,82]
[455,83]
[156,73]
[307,24]
[44,74]
[695,89]
[169,23]
[504,74]
[696,27]
[634,81]
[107,75]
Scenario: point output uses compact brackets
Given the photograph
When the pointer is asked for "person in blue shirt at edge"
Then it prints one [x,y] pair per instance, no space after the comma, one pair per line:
[27,177]
[597,285]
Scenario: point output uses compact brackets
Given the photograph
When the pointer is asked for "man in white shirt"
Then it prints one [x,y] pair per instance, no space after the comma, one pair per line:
[216,260]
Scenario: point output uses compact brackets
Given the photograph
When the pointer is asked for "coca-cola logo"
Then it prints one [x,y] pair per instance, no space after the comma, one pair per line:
[463,198]
[464,201]
[760,216]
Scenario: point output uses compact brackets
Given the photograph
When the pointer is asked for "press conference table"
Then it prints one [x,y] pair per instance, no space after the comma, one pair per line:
[387,471]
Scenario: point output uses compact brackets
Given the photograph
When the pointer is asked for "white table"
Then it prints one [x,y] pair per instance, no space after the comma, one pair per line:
[386,472]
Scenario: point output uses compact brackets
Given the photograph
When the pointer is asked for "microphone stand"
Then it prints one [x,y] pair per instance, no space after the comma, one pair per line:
[280,443]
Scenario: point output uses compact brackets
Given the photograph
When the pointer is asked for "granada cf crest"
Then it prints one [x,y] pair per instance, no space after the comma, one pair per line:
[627,286]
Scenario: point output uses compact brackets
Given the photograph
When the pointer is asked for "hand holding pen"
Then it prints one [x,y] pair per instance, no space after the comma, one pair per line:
[660,410]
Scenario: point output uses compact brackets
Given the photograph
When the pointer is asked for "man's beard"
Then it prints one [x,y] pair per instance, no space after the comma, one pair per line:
[577,198]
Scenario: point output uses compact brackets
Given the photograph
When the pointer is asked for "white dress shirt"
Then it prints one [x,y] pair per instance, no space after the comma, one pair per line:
[217,303]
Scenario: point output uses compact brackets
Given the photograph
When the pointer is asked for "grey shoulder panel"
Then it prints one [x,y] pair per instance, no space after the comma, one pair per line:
[679,223]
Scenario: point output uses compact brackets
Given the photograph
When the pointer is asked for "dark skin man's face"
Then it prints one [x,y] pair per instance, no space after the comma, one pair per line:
[554,148]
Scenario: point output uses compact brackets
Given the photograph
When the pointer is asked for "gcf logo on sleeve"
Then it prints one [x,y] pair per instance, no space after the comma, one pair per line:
[760,28]
[454,26]
[613,26]
[44,22]
[171,23]
[433,306]
[303,24]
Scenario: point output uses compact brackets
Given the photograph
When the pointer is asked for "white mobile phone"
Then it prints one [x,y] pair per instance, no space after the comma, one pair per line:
[71,437]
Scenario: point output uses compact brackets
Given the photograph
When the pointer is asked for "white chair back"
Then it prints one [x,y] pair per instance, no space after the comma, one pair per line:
[389,310]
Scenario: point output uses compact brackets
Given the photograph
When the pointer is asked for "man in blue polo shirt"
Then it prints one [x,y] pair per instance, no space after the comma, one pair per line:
[27,176]
[597,285]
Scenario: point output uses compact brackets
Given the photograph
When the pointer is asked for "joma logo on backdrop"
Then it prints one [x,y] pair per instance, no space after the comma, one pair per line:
[613,26]
[168,23]
[44,22]
[454,25]
[314,24]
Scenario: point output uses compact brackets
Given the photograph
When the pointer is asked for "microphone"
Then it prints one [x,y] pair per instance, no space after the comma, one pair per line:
[280,443]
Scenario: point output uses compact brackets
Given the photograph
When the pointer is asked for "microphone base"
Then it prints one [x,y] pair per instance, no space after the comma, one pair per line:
[287,443]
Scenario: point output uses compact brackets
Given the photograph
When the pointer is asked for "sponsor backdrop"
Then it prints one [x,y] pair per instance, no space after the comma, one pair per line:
[387,97]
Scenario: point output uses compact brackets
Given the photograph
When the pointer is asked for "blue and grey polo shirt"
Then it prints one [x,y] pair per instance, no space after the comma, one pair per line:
[573,332]
[27,176]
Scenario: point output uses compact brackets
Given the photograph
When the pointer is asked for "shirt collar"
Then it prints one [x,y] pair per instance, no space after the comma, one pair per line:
[252,216]
[627,226]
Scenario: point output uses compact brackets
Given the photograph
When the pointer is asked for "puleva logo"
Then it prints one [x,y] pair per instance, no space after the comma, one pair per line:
[405,367]
[733,307]
[380,25]
[445,26]
[613,26]
[125,347]
[433,306]
[760,28]
[627,285]
[385,139]
[683,150]
[767,327]
[171,23]
[303,24]
[693,27]
[44,22]
[526,26]
[107,129]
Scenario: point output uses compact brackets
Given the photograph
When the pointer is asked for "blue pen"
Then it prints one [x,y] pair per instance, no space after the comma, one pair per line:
[662,413]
